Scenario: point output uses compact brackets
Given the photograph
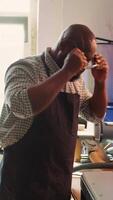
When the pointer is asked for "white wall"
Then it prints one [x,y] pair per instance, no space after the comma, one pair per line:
[50,22]
[97,14]
[55,15]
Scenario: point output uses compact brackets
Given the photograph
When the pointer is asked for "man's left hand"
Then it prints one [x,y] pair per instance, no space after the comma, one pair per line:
[100,72]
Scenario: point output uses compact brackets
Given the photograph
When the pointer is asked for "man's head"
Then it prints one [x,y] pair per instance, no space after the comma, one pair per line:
[75,36]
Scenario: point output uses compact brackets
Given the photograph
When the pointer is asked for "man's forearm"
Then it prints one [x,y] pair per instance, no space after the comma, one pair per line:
[43,94]
[98,102]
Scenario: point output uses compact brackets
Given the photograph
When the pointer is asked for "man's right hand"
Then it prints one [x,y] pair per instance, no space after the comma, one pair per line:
[75,62]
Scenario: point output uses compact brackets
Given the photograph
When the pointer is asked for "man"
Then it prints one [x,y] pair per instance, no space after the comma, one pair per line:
[38,125]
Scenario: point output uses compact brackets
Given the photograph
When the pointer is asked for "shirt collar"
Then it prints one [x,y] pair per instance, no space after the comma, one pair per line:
[52,65]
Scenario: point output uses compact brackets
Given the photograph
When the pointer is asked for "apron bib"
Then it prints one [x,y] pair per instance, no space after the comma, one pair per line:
[39,166]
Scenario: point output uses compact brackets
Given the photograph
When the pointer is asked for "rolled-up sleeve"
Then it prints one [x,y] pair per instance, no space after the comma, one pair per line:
[85,95]
[18,79]
[86,112]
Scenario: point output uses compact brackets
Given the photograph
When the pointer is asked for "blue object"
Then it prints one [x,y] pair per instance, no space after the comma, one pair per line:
[109,114]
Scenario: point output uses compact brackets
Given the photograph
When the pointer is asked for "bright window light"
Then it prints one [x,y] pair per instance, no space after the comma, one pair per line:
[14,5]
[16,24]
[11,39]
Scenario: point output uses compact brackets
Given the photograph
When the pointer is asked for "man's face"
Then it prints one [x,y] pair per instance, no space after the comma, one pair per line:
[89,55]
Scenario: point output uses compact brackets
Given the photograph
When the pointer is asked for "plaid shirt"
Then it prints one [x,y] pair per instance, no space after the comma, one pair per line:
[17,116]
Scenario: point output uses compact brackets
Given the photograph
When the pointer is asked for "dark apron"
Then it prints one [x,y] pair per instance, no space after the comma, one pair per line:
[39,166]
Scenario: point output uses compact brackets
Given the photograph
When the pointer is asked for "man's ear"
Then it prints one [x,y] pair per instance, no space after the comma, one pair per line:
[65,48]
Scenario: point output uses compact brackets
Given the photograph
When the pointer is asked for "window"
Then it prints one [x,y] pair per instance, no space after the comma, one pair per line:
[17,38]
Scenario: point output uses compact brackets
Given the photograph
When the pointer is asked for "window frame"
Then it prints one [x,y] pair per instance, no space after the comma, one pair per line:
[16,20]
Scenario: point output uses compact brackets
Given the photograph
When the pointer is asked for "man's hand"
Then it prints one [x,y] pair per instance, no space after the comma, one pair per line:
[100,72]
[75,62]
[98,102]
